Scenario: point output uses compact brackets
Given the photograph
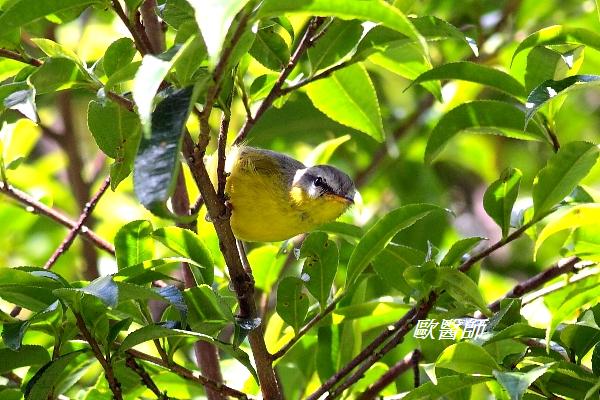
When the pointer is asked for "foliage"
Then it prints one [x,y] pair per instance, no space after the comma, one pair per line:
[457,124]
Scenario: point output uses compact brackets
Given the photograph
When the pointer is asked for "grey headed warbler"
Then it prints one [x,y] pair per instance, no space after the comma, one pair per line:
[274,197]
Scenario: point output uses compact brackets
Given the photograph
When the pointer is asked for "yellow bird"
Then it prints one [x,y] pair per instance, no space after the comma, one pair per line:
[274,197]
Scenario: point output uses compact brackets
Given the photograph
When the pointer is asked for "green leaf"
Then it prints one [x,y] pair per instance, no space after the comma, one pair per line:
[500,197]
[13,332]
[27,355]
[391,263]
[348,97]
[556,63]
[481,116]
[376,238]
[266,261]
[118,55]
[459,249]
[27,289]
[472,72]
[112,127]
[157,163]
[42,383]
[572,218]
[122,75]
[292,304]
[269,48]
[134,244]
[178,12]
[186,243]
[558,34]
[189,61]
[446,386]
[320,265]
[562,174]
[339,39]
[57,50]
[151,332]
[570,306]
[552,89]
[58,74]
[25,11]
[261,86]
[214,17]
[103,288]
[377,11]
[596,359]
[516,383]
[462,288]
[206,312]
[467,358]
[580,337]
[324,150]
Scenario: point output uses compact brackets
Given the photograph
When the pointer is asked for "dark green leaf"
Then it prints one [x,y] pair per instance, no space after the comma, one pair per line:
[550,89]
[206,311]
[134,244]
[459,249]
[186,243]
[27,355]
[178,12]
[320,265]
[339,39]
[348,97]
[481,116]
[516,383]
[269,48]
[472,72]
[500,197]
[562,174]
[391,263]
[44,380]
[292,304]
[375,240]
[24,11]
[580,337]
[13,332]
[596,359]
[118,55]
[261,86]
[157,163]
[462,288]
[57,74]
[116,328]
[446,386]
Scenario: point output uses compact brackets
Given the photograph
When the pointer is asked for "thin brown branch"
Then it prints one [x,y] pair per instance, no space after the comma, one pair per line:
[13,55]
[145,378]
[222,144]
[11,376]
[120,100]
[242,283]
[281,352]
[152,26]
[38,207]
[189,375]
[321,75]
[306,42]
[138,39]
[85,215]
[536,281]
[410,361]
[109,373]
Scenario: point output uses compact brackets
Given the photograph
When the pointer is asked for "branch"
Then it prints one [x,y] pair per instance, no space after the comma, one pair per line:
[144,377]
[189,375]
[321,75]
[33,205]
[281,352]
[391,374]
[395,334]
[85,215]
[307,41]
[113,383]
[562,267]
[152,25]
[222,143]
[138,37]
[13,55]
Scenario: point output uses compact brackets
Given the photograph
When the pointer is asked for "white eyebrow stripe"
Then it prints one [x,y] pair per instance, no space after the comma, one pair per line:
[298,175]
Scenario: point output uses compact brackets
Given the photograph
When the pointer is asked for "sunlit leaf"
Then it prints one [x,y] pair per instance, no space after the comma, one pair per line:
[269,48]
[467,358]
[41,384]
[339,39]
[446,386]
[134,244]
[500,197]
[27,355]
[24,11]
[516,383]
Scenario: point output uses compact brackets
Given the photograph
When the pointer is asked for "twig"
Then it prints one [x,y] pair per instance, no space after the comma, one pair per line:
[13,55]
[222,143]
[113,383]
[410,361]
[536,281]
[140,44]
[144,377]
[42,209]
[85,215]
[281,352]
[306,42]
[398,330]
[11,376]
[189,375]
[120,100]
[321,75]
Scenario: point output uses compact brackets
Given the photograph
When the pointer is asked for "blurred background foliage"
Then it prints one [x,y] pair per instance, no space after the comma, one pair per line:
[60,164]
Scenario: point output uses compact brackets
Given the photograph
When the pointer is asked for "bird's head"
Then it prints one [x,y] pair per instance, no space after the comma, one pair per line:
[323,191]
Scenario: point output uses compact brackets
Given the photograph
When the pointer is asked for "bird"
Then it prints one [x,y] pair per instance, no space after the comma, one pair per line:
[274,197]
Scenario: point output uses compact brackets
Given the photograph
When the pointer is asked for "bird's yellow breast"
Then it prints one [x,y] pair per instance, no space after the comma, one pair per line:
[265,207]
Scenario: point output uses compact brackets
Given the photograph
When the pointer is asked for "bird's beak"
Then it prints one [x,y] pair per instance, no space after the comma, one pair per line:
[344,199]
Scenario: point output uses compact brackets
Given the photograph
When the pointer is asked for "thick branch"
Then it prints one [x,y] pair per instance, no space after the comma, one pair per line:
[152,25]
[307,41]
[189,375]
[38,207]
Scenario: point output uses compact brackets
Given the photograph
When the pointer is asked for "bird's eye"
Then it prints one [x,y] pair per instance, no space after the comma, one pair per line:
[319,181]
